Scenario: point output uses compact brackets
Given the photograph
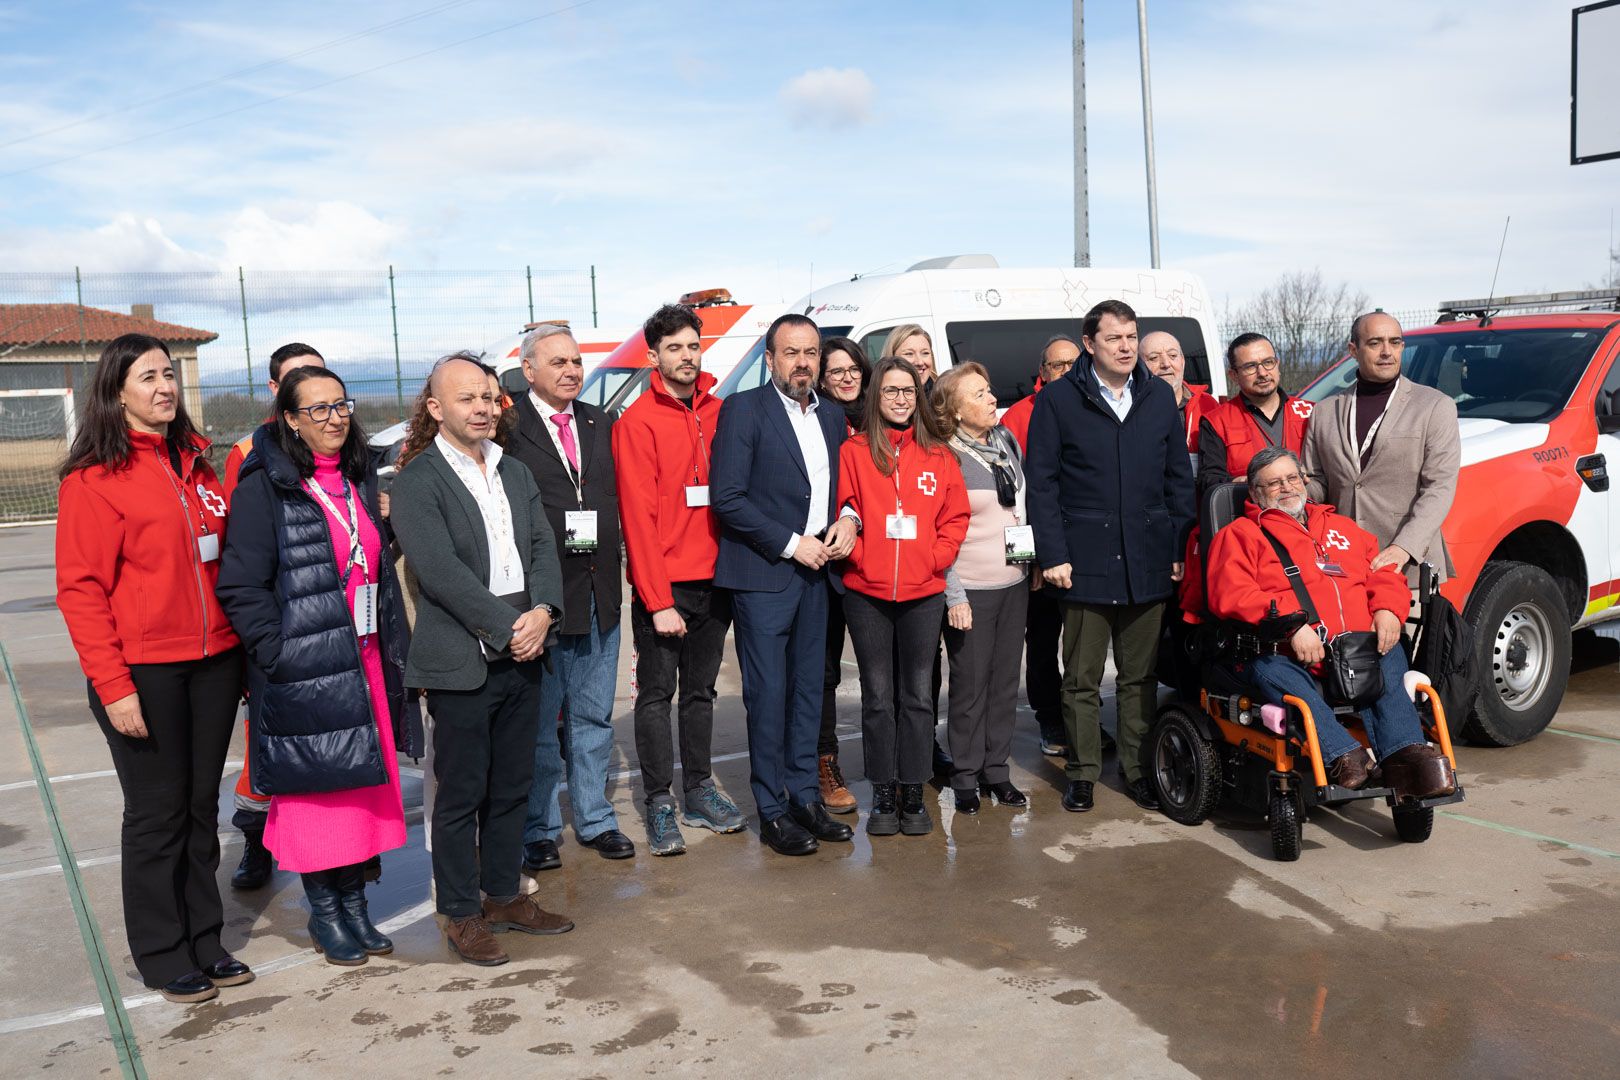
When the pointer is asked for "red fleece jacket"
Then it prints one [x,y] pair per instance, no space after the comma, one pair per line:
[927,486]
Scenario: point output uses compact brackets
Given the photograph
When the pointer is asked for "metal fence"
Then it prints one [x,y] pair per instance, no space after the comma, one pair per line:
[1307,347]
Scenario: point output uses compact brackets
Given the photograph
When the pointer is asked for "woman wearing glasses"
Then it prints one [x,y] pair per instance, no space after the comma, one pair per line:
[844,375]
[309,584]
[986,590]
[139,520]
[905,486]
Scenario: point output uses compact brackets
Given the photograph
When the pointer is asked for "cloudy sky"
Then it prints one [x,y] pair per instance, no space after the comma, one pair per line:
[765,146]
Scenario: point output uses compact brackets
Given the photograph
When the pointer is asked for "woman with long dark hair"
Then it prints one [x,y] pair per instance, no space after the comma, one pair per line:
[140,516]
[902,481]
[308,581]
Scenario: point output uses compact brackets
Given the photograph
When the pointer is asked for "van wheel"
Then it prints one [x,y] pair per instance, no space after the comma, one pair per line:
[1413,824]
[1183,766]
[1521,632]
[1286,828]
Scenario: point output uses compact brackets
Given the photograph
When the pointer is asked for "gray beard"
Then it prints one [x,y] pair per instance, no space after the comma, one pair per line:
[787,390]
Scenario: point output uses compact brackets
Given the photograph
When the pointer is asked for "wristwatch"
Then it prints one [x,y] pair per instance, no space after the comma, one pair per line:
[552,611]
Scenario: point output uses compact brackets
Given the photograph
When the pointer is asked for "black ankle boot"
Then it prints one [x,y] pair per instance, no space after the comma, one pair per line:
[884,818]
[254,869]
[914,819]
[351,885]
[326,927]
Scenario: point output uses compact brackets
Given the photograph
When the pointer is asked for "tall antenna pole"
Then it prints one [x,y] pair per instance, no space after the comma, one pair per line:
[1082,211]
[1147,134]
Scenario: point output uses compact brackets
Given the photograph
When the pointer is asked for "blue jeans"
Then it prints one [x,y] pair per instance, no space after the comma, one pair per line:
[584,672]
[1392,721]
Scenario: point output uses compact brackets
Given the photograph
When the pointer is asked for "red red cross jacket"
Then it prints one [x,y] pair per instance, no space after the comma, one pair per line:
[1239,434]
[130,580]
[925,486]
[1246,577]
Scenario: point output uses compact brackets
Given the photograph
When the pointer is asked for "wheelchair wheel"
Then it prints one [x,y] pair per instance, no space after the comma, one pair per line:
[1286,827]
[1185,769]
[1413,824]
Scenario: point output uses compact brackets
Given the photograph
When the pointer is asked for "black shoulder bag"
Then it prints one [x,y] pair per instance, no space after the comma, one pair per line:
[1353,672]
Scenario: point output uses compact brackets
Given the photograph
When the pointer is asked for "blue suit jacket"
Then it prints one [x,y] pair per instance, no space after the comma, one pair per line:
[759,487]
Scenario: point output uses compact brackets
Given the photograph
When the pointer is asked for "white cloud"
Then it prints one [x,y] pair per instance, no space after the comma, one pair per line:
[335,235]
[829,98]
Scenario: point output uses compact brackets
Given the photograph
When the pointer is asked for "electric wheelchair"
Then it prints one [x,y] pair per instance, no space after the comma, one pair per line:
[1211,742]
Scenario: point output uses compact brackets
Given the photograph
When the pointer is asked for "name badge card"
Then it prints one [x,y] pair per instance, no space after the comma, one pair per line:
[208,547]
[697,495]
[1331,569]
[900,527]
[365,610]
[1020,544]
[579,530]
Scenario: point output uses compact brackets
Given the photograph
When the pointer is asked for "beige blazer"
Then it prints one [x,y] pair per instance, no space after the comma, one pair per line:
[1404,493]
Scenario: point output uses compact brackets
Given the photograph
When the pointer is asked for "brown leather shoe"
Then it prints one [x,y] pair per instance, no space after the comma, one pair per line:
[837,798]
[522,913]
[470,939]
[1419,771]
[1349,770]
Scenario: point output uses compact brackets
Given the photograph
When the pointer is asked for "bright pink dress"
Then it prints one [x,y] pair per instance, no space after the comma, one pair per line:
[339,828]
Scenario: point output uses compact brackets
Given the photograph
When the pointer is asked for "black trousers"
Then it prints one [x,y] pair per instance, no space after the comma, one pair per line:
[483,766]
[1043,679]
[170,842]
[688,664]
[898,645]
[827,742]
[984,685]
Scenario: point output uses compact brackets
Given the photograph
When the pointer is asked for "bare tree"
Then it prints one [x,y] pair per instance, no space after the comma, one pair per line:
[1307,319]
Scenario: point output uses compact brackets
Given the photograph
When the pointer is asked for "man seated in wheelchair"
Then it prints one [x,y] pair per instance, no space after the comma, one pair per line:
[1247,583]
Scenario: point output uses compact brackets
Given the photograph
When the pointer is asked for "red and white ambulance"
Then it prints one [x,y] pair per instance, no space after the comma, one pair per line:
[1535,529]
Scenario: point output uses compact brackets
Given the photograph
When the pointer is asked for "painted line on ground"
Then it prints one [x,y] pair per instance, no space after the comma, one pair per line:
[1528,835]
[99,774]
[101,965]
[1569,734]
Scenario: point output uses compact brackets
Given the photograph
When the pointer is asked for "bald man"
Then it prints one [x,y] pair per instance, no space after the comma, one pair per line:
[1161,352]
[489,598]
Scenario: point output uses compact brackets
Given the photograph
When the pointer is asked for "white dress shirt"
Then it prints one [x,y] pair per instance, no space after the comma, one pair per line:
[506,567]
[1122,404]
[806,427]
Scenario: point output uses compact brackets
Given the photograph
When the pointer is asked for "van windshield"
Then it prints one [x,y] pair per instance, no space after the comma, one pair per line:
[603,383]
[1522,376]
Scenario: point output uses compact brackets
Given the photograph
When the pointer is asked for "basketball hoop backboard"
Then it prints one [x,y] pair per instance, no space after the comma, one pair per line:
[1594,106]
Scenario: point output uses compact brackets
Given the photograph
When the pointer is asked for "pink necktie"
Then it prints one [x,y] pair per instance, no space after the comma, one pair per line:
[566,434]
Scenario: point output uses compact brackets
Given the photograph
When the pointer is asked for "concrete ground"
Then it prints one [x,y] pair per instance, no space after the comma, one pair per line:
[1114,943]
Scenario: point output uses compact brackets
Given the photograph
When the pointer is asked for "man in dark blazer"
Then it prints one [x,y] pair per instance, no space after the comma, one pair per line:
[477,539]
[1111,501]
[774,483]
[568,446]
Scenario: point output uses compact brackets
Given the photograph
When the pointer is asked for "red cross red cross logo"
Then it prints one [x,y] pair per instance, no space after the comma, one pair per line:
[927,483]
[1302,408]
[1336,539]
[215,503]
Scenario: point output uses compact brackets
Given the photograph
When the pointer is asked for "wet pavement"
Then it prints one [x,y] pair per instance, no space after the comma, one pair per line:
[1114,943]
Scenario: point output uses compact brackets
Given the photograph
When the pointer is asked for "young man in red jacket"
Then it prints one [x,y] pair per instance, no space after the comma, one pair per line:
[252,809]
[1248,583]
[677,617]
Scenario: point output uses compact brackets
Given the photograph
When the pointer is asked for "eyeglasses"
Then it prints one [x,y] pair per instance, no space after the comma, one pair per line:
[320,414]
[842,373]
[896,393]
[1059,366]
[1257,366]
[1272,487]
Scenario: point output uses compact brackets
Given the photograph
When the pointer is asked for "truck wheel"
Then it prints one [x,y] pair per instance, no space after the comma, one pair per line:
[1522,637]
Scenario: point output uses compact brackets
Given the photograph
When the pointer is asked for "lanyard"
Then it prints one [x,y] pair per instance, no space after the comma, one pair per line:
[1366,444]
[701,446]
[351,527]
[1018,505]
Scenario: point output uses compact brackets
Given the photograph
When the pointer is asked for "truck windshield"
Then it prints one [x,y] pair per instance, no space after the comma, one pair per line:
[1521,376]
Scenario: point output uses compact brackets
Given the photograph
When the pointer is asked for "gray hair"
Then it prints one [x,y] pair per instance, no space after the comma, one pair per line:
[1268,457]
[1053,340]
[534,337]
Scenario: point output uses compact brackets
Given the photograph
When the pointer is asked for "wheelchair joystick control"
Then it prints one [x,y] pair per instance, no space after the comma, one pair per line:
[1274,717]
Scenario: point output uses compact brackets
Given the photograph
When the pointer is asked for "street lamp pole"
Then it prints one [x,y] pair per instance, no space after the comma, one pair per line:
[1147,132]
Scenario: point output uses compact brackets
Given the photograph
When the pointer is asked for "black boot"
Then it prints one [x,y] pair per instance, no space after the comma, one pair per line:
[884,817]
[326,927]
[914,819]
[351,885]
[254,869]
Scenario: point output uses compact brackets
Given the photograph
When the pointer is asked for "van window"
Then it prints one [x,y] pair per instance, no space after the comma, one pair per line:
[513,382]
[751,371]
[1010,349]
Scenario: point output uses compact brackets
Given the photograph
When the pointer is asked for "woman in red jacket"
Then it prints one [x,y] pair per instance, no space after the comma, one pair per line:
[139,522]
[903,483]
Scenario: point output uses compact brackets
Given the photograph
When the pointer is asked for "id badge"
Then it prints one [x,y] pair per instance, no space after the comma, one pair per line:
[900,527]
[208,547]
[579,530]
[365,610]
[1020,540]
[697,495]
[1331,569]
